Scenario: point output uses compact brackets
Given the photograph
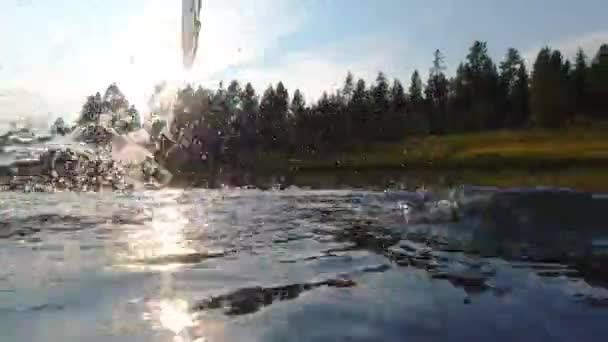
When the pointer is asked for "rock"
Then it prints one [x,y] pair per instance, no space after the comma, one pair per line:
[598,301]
[423,263]
[341,283]
[248,300]
[558,273]
[376,269]
[467,278]
[403,262]
[439,275]
[411,246]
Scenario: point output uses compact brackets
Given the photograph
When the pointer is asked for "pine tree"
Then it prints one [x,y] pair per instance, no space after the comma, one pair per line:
[514,90]
[91,110]
[579,82]
[340,121]
[481,76]
[114,100]
[380,94]
[415,90]
[282,101]
[398,100]
[134,118]
[395,121]
[219,118]
[348,88]
[549,89]
[298,104]
[281,111]
[567,89]
[247,120]
[233,96]
[201,103]
[273,117]
[266,126]
[360,111]
[299,122]
[381,106]
[598,84]
[437,95]
[520,99]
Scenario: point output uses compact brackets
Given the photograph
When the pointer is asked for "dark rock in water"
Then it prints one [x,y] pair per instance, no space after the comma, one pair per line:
[368,237]
[192,258]
[403,262]
[33,224]
[249,300]
[470,279]
[395,252]
[46,307]
[439,275]
[420,263]
[558,273]
[411,246]
[598,302]
[341,283]
[376,269]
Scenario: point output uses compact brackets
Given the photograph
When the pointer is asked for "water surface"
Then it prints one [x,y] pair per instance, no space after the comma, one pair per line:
[297,265]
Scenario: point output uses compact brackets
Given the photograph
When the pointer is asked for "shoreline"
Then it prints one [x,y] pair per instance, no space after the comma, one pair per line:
[582,178]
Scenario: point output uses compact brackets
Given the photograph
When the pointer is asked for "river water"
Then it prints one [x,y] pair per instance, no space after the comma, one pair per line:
[302,265]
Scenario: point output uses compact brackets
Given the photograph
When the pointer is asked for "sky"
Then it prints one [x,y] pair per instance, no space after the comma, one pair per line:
[55,53]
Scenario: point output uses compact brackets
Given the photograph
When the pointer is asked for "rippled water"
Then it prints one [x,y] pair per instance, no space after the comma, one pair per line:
[247,265]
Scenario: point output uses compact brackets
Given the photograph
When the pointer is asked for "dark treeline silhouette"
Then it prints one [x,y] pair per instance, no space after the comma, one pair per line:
[480,96]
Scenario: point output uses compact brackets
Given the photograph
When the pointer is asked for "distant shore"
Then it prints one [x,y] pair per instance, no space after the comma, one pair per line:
[575,157]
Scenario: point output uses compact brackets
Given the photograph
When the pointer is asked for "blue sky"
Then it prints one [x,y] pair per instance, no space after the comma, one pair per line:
[54,53]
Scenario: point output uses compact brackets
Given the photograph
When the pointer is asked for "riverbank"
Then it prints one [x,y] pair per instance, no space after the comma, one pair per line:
[575,157]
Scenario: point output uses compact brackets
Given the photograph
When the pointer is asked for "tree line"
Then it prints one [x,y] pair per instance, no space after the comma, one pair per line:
[122,116]
[480,96]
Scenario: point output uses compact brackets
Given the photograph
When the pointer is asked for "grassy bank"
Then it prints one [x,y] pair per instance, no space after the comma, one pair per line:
[576,157]
[504,149]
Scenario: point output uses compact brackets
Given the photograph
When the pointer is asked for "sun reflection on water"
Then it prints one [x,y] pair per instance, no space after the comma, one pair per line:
[154,243]
[155,237]
[173,315]
[164,235]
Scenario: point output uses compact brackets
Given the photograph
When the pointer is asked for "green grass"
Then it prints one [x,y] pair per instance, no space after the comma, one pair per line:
[576,157]
[508,149]
[587,179]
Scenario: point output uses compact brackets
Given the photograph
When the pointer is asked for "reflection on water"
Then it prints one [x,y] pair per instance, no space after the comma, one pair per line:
[240,265]
[156,241]
[155,233]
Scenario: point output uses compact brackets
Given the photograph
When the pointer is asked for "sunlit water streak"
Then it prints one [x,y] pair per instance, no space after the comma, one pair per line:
[158,232]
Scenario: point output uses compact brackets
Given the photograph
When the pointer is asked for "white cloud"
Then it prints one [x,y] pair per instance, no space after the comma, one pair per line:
[324,68]
[237,35]
[145,49]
